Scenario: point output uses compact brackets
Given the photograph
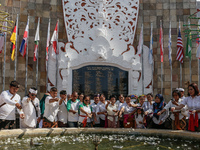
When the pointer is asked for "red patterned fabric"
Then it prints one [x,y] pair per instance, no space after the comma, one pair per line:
[193,121]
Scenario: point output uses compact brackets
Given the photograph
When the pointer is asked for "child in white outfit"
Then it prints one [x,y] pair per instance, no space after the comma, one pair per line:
[140,118]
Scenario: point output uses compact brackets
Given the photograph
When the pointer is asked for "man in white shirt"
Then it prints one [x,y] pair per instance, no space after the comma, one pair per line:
[62,113]
[72,108]
[51,109]
[9,100]
[31,109]
[101,110]
[96,119]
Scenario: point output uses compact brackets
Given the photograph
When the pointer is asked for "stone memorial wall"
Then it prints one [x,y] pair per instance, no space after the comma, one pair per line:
[149,11]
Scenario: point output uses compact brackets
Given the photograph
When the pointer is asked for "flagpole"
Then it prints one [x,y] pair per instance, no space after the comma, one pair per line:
[190,72]
[161,58]
[57,58]
[4,61]
[36,78]
[15,72]
[48,36]
[142,63]
[181,80]
[181,75]
[26,68]
[170,51]
[151,53]
[199,72]
[190,55]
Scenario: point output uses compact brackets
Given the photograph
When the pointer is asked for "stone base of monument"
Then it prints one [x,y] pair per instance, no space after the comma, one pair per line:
[19,133]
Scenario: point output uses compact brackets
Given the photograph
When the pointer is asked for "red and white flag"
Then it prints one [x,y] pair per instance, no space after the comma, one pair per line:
[161,42]
[54,39]
[48,41]
[37,39]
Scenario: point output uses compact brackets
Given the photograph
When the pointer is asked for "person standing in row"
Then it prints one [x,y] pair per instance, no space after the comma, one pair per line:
[51,109]
[112,111]
[148,109]
[31,109]
[85,113]
[81,96]
[120,104]
[9,100]
[72,108]
[96,120]
[129,110]
[101,110]
[158,120]
[62,113]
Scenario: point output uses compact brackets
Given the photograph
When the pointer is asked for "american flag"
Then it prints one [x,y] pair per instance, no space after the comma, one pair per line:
[180,54]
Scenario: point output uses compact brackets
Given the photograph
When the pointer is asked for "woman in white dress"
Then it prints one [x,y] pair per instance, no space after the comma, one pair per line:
[193,104]
[31,109]
[112,111]
[129,110]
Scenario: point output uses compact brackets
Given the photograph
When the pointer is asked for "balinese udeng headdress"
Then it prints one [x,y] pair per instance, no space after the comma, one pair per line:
[33,91]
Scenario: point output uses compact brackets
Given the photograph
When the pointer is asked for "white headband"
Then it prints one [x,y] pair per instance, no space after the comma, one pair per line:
[33,91]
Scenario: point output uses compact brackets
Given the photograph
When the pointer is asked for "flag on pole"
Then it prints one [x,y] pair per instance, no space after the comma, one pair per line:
[37,38]
[180,52]
[140,46]
[169,45]
[189,44]
[161,42]
[151,46]
[13,41]
[54,39]
[23,46]
[48,41]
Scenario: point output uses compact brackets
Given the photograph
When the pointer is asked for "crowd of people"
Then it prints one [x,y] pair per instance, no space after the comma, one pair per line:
[73,110]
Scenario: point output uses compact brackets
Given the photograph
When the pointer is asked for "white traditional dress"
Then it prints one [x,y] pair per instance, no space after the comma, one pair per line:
[7,111]
[73,106]
[192,104]
[128,109]
[147,106]
[101,107]
[30,108]
[138,119]
[82,115]
[62,113]
[170,104]
[111,113]
[51,109]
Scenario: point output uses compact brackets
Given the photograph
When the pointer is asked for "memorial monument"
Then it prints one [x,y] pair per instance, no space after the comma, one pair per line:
[99,56]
